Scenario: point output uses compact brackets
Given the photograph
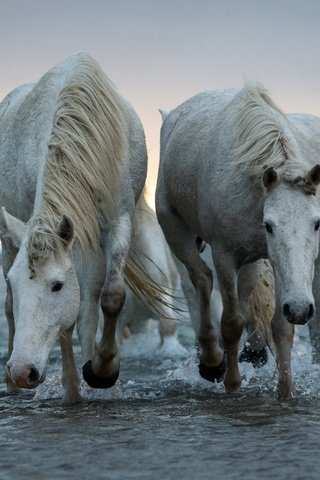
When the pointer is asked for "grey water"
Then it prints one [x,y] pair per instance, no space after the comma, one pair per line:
[162,421]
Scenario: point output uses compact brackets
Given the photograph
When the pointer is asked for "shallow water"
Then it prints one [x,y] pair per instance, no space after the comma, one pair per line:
[162,421]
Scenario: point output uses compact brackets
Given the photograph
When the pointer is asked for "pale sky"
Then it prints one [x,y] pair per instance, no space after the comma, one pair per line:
[161,52]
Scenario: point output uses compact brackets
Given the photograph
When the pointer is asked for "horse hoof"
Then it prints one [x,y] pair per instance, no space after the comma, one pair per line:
[213,374]
[97,382]
[258,358]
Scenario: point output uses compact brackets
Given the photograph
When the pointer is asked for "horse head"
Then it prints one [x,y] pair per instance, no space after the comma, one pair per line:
[291,219]
[45,293]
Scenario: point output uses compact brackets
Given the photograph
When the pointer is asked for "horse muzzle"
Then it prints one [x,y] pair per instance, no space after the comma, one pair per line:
[298,314]
[25,376]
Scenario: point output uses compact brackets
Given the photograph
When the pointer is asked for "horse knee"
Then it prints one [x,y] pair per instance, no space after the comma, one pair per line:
[202,279]
[282,330]
[112,301]
[232,328]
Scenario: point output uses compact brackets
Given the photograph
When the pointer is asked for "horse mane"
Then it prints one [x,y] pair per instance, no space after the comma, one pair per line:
[84,159]
[264,136]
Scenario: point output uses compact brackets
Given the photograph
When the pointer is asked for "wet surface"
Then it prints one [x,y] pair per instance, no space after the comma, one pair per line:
[162,421]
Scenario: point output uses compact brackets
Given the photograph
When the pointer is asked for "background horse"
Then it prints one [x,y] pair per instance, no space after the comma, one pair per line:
[148,238]
[73,164]
[258,312]
[242,176]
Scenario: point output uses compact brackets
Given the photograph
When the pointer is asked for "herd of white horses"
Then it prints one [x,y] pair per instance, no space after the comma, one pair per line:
[236,226]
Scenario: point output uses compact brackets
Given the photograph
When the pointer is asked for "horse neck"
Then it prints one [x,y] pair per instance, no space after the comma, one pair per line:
[307,131]
[26,123]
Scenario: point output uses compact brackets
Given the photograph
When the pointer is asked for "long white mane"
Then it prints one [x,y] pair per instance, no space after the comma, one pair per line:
[264,136]
[84,159]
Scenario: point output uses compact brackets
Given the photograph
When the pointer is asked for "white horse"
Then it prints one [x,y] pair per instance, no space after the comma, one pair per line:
[73,164]
[147,236]
[238,173]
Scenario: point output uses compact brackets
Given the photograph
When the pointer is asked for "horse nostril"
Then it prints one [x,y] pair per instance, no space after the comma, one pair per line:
[286,310]
[33,375]
[310,311]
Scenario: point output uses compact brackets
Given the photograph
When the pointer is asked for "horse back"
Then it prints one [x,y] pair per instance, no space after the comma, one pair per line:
[193,159]
[18,179]
[197,175]
[27,117]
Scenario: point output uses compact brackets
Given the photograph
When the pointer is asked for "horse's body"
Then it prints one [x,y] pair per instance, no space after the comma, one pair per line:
[73,164]
[238,173]
[147,236]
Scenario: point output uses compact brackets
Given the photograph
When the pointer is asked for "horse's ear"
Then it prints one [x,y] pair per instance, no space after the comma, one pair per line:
[314,175]
[270,178]
[65,230]
[11,227]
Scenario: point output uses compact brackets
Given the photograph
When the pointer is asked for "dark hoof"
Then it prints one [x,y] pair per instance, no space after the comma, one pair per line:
[97,382]
[258,358]
[213,374]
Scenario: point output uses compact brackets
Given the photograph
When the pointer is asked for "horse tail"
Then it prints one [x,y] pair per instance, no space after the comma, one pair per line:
[153,294]
[146,279]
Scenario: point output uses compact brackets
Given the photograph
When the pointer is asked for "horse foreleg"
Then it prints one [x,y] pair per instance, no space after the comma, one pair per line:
[87,323]
[8,255]
[11,386]
[314,324]
[212,363]
[232,321]
[183,244]
[283,333]
[231,327]
[70,376]
[91,279]
[103,370]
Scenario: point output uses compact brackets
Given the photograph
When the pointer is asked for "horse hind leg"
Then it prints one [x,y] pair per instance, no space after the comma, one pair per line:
[167,327]
[169,341]
[232,320]
[183,244]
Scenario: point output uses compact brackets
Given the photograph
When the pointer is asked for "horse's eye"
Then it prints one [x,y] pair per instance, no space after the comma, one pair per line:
[56,286]
[317,225]
[268,227]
